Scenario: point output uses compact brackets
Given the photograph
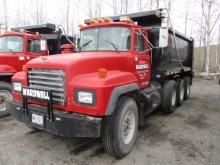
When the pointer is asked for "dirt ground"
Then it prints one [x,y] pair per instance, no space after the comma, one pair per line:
[191,135]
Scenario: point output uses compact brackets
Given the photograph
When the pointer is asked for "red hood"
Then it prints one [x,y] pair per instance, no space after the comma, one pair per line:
[83,62]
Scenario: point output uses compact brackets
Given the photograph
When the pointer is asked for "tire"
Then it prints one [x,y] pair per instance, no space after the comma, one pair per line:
[5,94]
[187,88]
[180,92]
[169,94]
[117,139]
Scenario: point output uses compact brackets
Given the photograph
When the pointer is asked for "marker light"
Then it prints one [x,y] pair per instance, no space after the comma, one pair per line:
[102,72]
[125,19]
[24,68]
[93,21]
[80,25]
[107,19]
[99,20]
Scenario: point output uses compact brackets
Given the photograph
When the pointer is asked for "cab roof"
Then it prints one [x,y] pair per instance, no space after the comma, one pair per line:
[105,24]
[9,33]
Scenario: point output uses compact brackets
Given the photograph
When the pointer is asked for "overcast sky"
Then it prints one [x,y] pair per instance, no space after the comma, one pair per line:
[23,12]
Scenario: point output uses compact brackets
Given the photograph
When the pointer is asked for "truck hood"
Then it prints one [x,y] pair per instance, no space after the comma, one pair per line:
[8,61]
[83,62]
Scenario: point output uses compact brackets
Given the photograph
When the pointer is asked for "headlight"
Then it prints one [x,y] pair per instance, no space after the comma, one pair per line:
[17,86]
[85,97]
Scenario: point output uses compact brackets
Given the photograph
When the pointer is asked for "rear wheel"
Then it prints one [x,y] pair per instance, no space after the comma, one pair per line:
[120,129]
[5,95]
[169,96]
[180,91]
[187,88]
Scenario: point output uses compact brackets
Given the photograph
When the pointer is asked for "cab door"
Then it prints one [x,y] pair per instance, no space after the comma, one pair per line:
[142,58]
[32,50]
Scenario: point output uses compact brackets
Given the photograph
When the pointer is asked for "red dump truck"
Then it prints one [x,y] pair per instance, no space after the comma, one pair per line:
[127,66]
[19,46]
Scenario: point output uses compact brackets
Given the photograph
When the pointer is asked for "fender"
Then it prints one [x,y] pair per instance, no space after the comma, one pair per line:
[116,93]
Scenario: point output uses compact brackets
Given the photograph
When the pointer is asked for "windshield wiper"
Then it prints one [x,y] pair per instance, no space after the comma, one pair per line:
[87,43]
[114,46]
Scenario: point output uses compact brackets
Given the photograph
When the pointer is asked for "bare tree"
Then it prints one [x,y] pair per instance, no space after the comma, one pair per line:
[18,13]
[5,10]
[114,6]
[38,13]
[93,8]
[208,14]
[126,6]
[151,4]
[187,8]
[139,5]
[158,4]
[169,8]
[67,16]
[24,20]
[90,9]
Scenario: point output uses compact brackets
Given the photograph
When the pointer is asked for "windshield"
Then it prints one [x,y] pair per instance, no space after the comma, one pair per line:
[105,39]
[11,44]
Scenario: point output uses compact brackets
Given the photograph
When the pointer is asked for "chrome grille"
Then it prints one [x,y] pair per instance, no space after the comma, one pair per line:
[49,79]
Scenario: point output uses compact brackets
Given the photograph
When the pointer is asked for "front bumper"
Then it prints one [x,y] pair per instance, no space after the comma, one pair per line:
[64,124]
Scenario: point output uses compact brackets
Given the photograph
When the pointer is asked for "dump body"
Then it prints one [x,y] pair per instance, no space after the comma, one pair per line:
[166,60]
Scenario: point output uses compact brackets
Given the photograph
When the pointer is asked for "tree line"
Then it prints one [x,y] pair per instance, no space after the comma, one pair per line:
[204,14]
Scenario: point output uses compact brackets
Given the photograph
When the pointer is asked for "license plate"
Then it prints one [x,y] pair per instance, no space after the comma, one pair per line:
[37,119]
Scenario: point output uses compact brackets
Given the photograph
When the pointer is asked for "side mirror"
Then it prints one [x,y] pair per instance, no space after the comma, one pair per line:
[43,45]
[163,37]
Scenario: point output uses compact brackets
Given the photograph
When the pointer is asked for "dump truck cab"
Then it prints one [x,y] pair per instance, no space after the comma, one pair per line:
[122,39]
[17,48]
[125,69]
[23,44]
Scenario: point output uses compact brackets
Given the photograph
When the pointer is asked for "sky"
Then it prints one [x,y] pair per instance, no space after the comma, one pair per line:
[23,12]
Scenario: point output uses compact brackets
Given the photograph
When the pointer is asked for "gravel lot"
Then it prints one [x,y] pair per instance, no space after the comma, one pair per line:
[191,135]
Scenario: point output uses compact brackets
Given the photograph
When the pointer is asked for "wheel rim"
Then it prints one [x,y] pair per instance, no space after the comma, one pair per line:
[4,96]
[173,100]
[128,127]
[181,93]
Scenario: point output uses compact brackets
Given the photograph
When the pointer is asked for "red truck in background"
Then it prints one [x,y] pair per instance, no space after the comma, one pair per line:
[125,69]
[19,46]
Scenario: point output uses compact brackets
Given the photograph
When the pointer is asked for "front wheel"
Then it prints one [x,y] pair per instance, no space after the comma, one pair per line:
[5,95]
[120,129]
